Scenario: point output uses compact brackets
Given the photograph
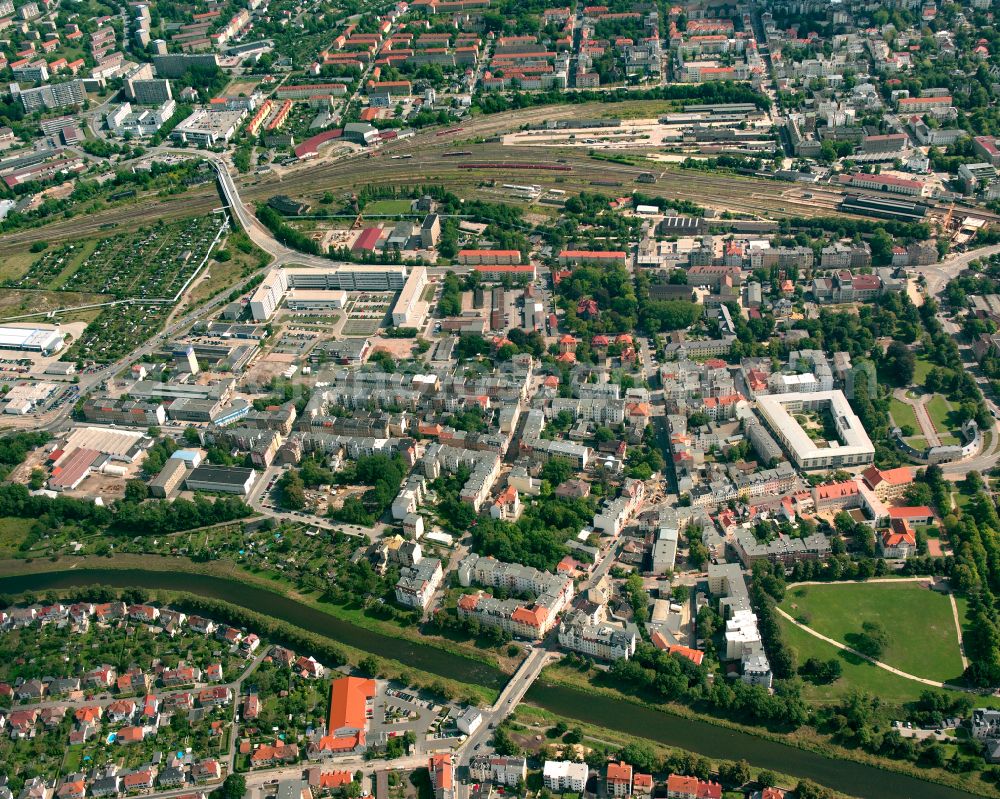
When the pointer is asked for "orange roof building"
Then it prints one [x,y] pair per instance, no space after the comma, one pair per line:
[442,775]
[619,779]
[683,787]
[349,700]
[694,655]
[916,514]
[888,484]
[642,784]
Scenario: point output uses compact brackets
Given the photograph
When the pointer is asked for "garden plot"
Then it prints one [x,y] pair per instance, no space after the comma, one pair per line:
[151,263]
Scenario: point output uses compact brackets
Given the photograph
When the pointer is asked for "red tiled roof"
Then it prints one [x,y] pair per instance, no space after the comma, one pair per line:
[442,772]
[692,786]
[533,617]
[910,512]
[592,254]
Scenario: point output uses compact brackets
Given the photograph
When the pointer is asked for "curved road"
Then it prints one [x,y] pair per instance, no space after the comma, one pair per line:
[936,277]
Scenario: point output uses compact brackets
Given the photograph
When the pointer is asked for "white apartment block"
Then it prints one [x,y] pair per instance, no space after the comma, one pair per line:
[555,591]
[266,299]
[562,775]
[417,583]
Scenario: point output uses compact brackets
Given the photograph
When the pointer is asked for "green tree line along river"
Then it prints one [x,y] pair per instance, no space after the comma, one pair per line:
[857,779]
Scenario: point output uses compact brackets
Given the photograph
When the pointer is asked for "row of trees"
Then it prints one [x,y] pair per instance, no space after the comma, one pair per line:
[284,232]
[152,517]
[667,678]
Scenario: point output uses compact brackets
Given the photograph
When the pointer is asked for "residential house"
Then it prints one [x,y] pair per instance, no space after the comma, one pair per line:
[206,770]
[619,780]
[680,787]
[269,754]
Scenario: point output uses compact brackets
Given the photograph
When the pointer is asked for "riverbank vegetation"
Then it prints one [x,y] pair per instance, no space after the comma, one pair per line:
[327,651]
[561,735]
[356,596]
[821,738]
[583,675]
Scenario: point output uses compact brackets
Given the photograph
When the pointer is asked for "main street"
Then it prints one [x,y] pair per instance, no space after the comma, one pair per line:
[529,671]
[936,278]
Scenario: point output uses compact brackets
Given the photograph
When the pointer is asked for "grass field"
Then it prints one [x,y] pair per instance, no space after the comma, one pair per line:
[388,207]
[903,415]
[15,302]
[16,264]
[917,442]
[920,371]
[857,673]
[939,410]
[224,274]
[12,533]
[640,109]
[922,636]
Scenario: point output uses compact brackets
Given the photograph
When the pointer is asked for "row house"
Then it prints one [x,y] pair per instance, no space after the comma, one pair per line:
[531,622]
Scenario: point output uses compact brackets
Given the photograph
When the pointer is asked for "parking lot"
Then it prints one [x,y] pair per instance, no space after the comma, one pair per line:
[397,711]
[370,305]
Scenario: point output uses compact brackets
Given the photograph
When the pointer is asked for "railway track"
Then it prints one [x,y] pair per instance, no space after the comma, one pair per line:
[145,211]
[568,169]
[744,195]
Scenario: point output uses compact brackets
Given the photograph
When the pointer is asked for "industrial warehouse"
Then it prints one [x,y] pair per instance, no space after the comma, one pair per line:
[45,340]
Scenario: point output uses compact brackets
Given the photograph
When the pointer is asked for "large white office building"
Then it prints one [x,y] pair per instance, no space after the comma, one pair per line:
[410,310]
[853,448]
[308,282]
[266,299]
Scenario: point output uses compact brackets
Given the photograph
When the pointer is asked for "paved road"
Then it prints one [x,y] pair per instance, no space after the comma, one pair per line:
[509,698]
[938,275]
[237,690]
[958,630]
[936,278]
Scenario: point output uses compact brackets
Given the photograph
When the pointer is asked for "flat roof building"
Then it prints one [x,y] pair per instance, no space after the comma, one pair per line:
[315,299]
[223,479]
[208,127]
[169,479]
[410,310]
[563,775]
[45,340]
[854,447]
[121,445]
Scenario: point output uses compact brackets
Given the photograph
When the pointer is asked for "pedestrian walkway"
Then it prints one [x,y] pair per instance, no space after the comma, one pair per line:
[958,630]
[873,661]
[927,429]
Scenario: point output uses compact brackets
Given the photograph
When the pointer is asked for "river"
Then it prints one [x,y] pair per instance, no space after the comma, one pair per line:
[700,737]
